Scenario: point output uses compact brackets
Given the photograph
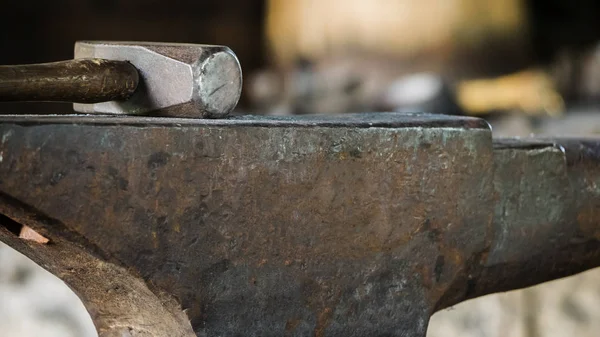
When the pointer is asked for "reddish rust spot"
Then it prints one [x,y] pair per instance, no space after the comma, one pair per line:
[291,325]
[588,221]
[323,322]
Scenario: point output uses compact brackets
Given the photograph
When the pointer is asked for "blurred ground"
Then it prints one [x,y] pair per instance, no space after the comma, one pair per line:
[33,303]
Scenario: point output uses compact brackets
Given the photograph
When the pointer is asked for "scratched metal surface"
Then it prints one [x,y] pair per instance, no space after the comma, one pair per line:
[545,212]
[347,228]
[326,226]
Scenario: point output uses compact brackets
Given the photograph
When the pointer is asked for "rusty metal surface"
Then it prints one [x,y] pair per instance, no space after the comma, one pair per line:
[324,226]
[83,81]
[545,213]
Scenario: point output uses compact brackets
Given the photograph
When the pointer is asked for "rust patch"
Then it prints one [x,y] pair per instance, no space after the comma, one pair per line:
[323,322]
[588,221]
[291,325]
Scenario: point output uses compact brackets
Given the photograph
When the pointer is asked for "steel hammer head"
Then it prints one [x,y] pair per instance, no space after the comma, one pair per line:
[176,79]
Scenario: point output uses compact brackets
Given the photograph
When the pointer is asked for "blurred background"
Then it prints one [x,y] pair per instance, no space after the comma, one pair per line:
[527,66]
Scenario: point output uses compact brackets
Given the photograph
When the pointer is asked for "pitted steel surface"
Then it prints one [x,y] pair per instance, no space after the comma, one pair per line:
[270,226]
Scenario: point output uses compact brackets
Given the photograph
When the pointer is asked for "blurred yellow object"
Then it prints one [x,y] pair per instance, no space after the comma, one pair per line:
[531,91]
[459,38]
[313,29]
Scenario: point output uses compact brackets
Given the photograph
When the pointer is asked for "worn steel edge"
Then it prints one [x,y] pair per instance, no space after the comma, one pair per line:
[364,225]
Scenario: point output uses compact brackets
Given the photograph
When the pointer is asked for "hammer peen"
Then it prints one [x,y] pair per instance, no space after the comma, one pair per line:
[133,78]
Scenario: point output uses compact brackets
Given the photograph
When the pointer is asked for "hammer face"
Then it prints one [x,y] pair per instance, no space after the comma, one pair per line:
[182,80]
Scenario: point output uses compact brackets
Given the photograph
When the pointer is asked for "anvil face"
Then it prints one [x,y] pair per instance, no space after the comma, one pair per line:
[358,225]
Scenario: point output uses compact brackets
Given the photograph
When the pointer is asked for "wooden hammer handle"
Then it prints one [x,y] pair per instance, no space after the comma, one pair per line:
[76,81]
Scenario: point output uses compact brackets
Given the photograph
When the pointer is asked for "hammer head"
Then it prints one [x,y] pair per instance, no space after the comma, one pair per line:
[176,79]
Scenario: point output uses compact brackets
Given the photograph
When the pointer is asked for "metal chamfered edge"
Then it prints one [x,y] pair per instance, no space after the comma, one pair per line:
[356,120]
[522,144]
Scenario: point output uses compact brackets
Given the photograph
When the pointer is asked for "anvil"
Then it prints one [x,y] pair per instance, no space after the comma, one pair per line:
[353,225]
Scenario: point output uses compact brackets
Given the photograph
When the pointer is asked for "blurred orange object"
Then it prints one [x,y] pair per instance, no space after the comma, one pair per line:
[530,91]
[444,32]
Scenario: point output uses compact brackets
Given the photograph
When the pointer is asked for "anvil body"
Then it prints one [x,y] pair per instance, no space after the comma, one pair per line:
[353,225]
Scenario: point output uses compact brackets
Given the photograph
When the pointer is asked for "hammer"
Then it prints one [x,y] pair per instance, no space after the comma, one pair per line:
[133,78]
